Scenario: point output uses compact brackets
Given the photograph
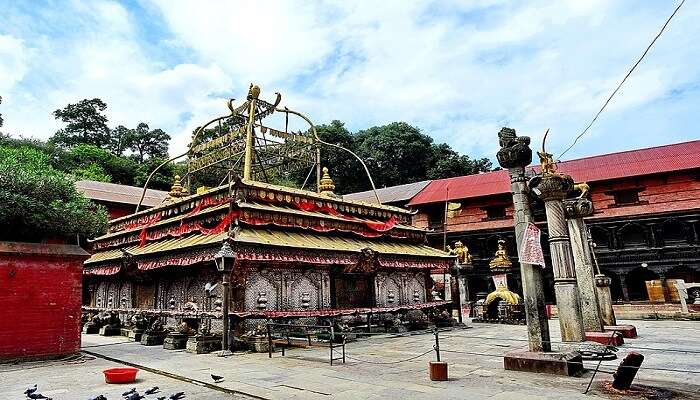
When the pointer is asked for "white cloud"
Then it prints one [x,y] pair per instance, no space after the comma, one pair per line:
[459,70]
[13,61]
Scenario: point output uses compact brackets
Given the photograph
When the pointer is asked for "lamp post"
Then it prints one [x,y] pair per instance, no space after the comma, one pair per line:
[224,260]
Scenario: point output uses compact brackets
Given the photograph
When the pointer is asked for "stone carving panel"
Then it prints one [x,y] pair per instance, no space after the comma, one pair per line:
[415,286]
[304,295]
[388,290]
[260,292]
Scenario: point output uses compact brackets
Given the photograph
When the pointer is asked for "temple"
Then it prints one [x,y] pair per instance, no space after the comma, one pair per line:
[295,254]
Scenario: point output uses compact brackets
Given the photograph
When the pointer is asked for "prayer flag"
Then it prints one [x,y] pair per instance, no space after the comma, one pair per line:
[531,249]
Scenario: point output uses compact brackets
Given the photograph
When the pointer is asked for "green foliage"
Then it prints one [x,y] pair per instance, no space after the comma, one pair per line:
[162,180]
[145,142]
[39,202]
[85,124]
[1,120]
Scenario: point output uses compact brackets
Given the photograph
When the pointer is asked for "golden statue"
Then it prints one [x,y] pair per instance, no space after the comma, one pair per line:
[501,260]
[462,253]
[546,159]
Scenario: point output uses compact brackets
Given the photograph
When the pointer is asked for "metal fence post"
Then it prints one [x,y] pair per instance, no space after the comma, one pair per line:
[437,345]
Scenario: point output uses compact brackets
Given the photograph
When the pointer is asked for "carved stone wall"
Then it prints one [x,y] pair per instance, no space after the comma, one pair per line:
[400,288]
[285,289]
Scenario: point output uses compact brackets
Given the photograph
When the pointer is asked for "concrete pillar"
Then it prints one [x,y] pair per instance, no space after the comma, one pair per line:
[552,188]
[515,154]
[576,209]
[605,303]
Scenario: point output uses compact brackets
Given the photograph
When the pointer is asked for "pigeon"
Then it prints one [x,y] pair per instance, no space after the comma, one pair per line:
[217,378]
[30,390]
[34,395]
[135,396]
[152,390]
[132,390]
[98,397]
[177,396]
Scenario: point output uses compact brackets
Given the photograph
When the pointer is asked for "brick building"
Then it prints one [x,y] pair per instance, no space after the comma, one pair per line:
[646,222]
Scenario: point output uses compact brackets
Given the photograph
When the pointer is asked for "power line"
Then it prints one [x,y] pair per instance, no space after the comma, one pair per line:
[623,80]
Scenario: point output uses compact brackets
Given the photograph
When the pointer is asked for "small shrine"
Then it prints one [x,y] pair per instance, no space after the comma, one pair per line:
[227,259]
[501,305]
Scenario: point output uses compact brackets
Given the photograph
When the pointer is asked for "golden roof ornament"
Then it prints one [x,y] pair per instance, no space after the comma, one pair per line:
[327,186]
[253,92]
[501,260]
[177,190]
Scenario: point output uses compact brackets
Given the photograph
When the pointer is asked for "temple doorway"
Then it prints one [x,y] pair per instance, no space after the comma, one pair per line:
[351,290]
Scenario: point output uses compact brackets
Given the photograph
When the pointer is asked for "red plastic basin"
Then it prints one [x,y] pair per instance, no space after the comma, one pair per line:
[120,375]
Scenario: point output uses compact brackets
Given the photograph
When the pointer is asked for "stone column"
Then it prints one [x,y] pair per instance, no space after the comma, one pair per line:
[623,286]
[552,188]
[576,209]
[515,154]
[459,272]
[607,313]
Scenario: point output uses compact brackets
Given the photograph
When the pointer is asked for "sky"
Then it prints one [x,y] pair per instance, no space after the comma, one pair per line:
[458,70]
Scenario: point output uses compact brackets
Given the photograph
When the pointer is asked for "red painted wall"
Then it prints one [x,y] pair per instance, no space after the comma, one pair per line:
[40,297]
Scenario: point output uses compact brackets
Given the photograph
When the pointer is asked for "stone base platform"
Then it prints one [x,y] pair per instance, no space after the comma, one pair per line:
[201,344]
[175,341]
[557,363]
[607,338]
[135,335]
[110,331]
[153,338]
[627,331]
[91,329]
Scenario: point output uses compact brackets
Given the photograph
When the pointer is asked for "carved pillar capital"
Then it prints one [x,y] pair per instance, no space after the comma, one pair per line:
[515,150]
[549,187]
[578,208]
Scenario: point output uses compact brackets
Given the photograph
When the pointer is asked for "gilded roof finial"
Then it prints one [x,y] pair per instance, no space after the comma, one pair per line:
[253,92]
[327,186]
[177,190]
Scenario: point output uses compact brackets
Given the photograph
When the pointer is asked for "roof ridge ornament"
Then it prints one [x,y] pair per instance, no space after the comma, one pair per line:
[326,184]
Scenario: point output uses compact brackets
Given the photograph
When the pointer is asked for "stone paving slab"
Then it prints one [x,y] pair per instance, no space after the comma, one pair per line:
[474,356]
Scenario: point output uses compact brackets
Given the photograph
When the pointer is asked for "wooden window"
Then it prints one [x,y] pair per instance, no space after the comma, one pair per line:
[495,212]
[626,197]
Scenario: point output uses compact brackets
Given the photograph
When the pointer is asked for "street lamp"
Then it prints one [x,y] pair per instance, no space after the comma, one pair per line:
[224,260]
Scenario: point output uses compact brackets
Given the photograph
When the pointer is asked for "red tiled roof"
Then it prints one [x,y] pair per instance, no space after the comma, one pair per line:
[653,160]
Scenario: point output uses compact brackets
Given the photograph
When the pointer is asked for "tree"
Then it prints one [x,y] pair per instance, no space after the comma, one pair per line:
[40,202]
[396,153]
[118,140]
[85,124]
[347,173]
[145,142]
[1,120]
[447,163]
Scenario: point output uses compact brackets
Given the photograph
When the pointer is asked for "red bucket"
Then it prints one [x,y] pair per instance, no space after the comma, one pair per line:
[120,375]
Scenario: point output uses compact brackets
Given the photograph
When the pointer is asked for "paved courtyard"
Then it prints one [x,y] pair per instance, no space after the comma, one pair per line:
[374,369]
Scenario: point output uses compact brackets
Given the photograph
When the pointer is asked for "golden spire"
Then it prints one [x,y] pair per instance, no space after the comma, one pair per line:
[327,186]
[177,190]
